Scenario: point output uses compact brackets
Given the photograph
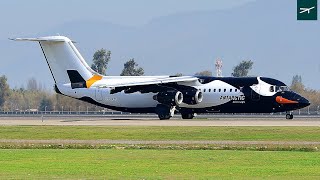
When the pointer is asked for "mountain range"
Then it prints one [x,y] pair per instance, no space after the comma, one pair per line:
[265,32]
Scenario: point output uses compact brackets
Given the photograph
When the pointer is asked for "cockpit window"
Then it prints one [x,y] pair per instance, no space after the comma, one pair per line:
[281,88]
[285,88]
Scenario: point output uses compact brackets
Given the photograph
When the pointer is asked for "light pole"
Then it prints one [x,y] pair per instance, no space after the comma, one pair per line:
[79,109]
[45,110]
[87,109]
[318,109]
[62,109]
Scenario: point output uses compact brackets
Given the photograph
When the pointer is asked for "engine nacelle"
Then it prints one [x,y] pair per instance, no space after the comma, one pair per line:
[172,98]
[192,97]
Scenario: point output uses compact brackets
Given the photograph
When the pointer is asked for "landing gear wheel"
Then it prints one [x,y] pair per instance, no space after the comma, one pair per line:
[289,116]
[187,116]
[165,112]
[164,116]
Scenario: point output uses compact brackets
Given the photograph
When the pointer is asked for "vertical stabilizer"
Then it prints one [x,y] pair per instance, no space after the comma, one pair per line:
[62,56]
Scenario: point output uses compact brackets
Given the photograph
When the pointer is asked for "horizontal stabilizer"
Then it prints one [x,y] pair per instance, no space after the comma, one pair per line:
[40,39]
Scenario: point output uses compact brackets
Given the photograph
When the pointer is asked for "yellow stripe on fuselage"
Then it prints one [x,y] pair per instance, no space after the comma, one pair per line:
[92,80]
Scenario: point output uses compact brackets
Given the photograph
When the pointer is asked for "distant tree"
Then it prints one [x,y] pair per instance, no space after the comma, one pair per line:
[101,59]
[131,69]
[41,86]
[32,84]
[178,74]
[242,69]
[204,73]
[4,90]
[46,104]
[296,84]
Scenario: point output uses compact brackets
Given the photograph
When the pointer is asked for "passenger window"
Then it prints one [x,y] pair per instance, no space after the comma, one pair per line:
[209,90]
[236,90]
[214,90]
[204,90]
[219,90]
[225,90]
[230,90]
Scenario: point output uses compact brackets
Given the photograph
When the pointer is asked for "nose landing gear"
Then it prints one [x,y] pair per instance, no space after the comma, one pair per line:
[289,116]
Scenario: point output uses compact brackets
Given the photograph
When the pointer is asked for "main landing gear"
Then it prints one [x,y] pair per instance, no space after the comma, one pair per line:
[289,116]
[165,112]
[187,114]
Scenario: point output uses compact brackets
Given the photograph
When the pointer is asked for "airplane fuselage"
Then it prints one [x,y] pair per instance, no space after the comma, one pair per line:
[220,95]
[163,95]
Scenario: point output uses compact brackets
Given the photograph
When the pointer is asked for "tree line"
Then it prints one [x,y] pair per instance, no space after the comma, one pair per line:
[36,97]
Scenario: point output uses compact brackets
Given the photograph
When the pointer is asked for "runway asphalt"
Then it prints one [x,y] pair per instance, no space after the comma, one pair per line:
[138,121]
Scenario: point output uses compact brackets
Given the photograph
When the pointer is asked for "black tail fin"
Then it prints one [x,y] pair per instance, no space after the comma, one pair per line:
[76,79]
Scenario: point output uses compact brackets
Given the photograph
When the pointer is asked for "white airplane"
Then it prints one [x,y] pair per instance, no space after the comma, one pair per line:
[163,95]
[303,10]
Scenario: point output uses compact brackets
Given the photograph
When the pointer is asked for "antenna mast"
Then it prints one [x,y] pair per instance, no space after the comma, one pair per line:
[218,65]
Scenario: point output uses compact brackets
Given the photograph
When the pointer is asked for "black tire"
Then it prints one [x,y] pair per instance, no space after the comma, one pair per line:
[164,117]
[289,116]
[187,116]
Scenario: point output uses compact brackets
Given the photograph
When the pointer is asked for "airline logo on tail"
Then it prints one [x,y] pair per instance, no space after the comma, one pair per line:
[77,80]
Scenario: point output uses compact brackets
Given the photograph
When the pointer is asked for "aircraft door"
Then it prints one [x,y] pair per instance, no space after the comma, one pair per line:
[255,96]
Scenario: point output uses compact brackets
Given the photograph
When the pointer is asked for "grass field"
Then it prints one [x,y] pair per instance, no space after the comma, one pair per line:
[157,164]
[161,133]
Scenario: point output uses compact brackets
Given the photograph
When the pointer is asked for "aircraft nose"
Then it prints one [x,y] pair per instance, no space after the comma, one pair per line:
[292,100]
[303,102]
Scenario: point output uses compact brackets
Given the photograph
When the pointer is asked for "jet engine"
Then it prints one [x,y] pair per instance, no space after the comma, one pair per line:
[173,98]
[193,96]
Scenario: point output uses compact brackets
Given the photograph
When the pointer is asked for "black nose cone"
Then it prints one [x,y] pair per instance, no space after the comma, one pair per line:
[303,102]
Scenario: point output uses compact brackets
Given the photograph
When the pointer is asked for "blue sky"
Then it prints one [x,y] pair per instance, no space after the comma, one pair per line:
[279,45]
[35,15]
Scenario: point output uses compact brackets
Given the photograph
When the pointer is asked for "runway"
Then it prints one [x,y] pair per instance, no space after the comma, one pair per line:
[138,121]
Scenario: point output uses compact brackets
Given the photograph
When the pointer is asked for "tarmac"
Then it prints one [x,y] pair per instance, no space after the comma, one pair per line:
[153,121]
[140,121]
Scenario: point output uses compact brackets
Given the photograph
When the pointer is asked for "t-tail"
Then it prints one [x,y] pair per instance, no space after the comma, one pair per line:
[64,60]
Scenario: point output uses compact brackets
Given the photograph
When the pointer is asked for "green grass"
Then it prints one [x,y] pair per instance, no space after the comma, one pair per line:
[157,164]
[158,161]
[161,133]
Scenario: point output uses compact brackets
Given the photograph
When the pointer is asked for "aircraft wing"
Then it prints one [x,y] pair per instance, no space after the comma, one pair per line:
[166,80]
